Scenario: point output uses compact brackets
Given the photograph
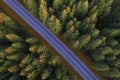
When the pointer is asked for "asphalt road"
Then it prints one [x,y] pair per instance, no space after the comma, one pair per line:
[66,53]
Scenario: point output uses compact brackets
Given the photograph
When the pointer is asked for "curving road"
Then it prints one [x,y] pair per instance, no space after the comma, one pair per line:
[66,53]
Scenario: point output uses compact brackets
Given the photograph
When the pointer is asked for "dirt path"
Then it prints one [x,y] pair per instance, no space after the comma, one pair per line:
[81,55]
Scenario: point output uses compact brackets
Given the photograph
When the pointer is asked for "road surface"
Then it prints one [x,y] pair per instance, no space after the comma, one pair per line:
[66,53]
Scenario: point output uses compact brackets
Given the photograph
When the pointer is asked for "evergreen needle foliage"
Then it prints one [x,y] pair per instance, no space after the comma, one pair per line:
[89,25]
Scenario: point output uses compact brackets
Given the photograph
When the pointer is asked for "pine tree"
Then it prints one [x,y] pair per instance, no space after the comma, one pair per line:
[94,44]
[114,73]
[82,8]
[54,24]
[97,56]
[112,42]
[33,6]
[57,4]
[45,74]
[101,66]
[104,7]
[43,11]
[13,68]
[32,40]
[13,37]
[117,63]
[65,13]
[84,39]
[91,25]
[94,33]
[111,32]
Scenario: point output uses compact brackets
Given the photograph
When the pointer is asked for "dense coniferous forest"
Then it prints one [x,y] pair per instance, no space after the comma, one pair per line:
[92,26]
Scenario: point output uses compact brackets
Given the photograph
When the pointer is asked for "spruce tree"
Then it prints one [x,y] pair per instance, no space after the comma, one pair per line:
[89,25]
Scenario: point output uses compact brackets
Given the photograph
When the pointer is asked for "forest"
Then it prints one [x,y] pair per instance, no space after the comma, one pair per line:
[91,26]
